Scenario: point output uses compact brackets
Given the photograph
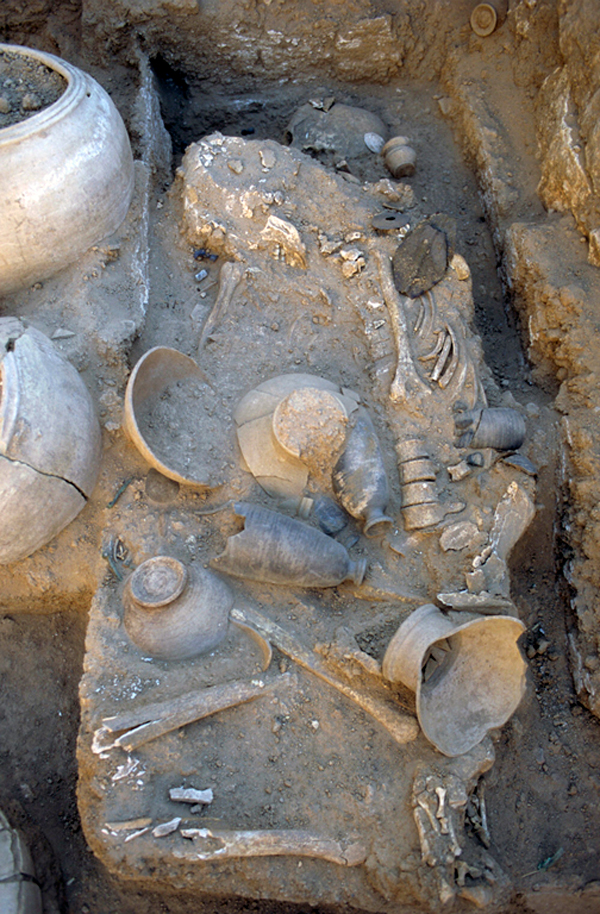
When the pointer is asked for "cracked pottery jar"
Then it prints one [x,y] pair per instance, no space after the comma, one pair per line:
[50,441]
[66,177]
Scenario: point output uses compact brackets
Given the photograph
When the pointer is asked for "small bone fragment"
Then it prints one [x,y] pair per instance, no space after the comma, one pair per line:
[421,821]
[514,513]
[464,535]
[442,358]
[136,834]
[459,471]
[460,267]
[485,603]
[129,824]
[191,795]
[439,345]
[230,275]
[406,381]
[401,727]
[482,828]
[154,720]
[451,366]
[267,158]
[126,769]
[166,828]
[270,843]
[446,892]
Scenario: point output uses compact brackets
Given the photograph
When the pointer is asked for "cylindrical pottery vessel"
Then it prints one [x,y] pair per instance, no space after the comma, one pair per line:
[399,158]
[282,550]
[50,442]
[501,428]
[157,369]
[466,669]
[359,479]
[174,612]
[66,178]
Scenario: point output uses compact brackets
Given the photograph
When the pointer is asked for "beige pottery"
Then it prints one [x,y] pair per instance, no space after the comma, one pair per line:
[50,443]
[66,178]
[478,685]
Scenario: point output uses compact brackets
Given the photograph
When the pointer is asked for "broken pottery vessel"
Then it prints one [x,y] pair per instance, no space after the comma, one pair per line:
[174,612]
[467,671]
[282,432]
[281,550]
[359,478]
[50,443]
[501,428]
[67,177]
[156,371]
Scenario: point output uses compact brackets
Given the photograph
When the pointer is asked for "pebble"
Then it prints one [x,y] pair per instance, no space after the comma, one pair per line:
[236,165]
[267,157]
[30,102]
[5,106]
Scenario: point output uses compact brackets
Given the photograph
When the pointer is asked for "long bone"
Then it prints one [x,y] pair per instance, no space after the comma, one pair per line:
[229,277]
[216,845]
[154,720]
[402,727]
[407,382]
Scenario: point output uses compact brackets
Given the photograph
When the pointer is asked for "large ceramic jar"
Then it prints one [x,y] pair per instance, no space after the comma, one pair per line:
[66,177]
[50,442]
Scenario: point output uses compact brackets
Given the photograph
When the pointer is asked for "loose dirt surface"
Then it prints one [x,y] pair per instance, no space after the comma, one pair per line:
[542,792]
[26,87]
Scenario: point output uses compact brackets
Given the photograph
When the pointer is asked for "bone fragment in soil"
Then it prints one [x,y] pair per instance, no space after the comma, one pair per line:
[154,720]
[166,828]
[216,845]
[191,795]
[407,385]
[402,727]
[229,277]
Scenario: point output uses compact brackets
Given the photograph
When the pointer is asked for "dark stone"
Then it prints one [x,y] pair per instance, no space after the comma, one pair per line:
[421,260]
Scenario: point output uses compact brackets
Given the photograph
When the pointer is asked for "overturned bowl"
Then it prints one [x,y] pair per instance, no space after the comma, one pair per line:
[174,611]
[66,175]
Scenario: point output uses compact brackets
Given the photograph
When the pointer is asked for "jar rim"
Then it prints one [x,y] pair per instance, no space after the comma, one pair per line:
[77,86]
